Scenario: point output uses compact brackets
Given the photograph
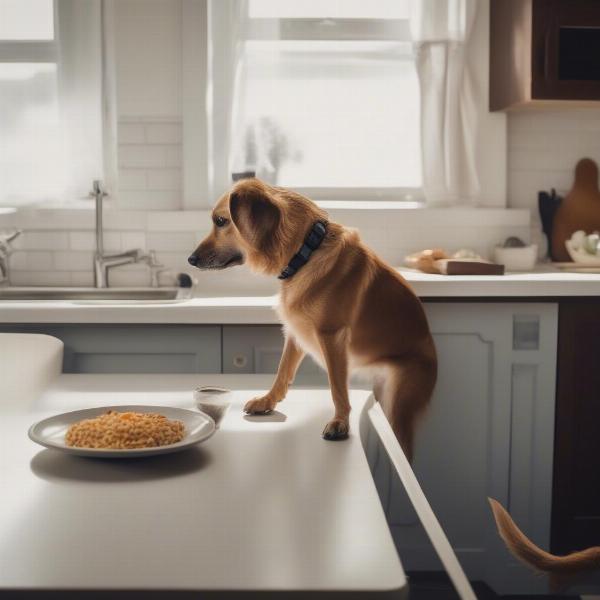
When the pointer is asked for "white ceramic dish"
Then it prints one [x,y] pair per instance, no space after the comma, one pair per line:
[51,432]
[516,259]
[579,255]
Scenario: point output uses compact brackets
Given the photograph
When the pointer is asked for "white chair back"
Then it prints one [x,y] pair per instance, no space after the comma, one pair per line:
[373,414]
[29,362]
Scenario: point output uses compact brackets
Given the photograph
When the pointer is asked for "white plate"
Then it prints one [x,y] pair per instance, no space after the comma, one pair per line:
[51,431]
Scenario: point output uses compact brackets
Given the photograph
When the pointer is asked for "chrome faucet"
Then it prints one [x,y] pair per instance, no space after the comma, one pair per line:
[103,262]
[6,237]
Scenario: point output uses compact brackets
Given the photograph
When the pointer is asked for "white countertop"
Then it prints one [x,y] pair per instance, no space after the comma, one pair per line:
[264,505]
[542,283]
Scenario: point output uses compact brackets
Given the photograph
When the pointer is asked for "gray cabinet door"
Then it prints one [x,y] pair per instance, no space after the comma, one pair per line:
[135,348]
[488,432]
[257,349]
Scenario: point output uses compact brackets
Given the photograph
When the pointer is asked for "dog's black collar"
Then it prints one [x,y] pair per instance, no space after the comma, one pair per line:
[311,242]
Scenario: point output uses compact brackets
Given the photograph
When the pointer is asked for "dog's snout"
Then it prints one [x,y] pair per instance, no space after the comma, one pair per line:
[193,260]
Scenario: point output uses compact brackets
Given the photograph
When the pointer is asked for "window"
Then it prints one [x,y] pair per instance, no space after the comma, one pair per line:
[329,98]
[29,118]
[50,99]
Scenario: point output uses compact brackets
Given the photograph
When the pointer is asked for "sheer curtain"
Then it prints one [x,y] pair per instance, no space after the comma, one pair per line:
[54,115]
[440,31]
[227,21]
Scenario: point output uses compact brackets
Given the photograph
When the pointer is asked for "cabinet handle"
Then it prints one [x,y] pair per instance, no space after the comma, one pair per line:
[240,361]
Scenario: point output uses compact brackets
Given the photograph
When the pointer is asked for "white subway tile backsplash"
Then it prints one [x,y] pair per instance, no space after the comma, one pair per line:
[171,242]
[142,155]
[197,221]
[132,179]
[125,220]
[164,179]
[177,261]
[173,158]
[40,278]
[131,240]
[18,260]
[43,240]
[31,261]
[163,133]
[151,199]
[86,240]
[73,261]
[131,133]
[543,149]
[82,278]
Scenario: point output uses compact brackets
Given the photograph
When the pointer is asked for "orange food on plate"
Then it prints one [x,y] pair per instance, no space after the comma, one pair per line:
[125,430]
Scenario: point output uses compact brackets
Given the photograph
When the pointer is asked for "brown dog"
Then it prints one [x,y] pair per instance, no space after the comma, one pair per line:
[344,306]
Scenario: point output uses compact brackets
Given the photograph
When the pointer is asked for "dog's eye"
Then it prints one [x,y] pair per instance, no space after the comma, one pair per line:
[220,221]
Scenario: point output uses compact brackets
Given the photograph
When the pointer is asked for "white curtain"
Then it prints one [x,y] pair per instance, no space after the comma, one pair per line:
[226,34]
[440,31]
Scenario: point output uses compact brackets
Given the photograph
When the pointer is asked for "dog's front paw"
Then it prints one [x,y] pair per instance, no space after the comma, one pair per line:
[336,429]
[260,406]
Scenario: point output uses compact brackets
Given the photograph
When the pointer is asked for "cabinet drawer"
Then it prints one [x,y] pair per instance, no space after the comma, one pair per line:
[257,349]
[135,348]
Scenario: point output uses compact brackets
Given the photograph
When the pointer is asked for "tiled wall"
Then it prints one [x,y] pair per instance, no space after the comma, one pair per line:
[64,255]
[149,158]
[543,149]
[57,246]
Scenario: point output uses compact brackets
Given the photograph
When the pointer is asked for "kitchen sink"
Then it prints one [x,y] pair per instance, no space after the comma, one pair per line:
[165,294]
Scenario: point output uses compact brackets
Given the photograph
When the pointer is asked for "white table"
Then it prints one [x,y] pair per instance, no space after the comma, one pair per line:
[265,505]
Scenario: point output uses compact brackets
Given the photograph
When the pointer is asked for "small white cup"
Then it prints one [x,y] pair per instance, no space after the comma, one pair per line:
[213,400]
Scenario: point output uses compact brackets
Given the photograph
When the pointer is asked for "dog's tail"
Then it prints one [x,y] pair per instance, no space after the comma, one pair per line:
[530,554]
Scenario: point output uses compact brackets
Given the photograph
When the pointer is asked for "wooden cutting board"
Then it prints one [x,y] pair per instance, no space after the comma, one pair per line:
[456,266]
[579,210]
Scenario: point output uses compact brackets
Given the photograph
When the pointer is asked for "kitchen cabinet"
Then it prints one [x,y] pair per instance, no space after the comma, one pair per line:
[489,432]
[544,52]
[134,348]
[576,499]
[257,349]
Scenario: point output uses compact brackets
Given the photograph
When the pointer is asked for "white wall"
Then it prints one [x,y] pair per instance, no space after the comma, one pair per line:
[543,148]
[491,134]
[57,246]
[148,70]
[148,40]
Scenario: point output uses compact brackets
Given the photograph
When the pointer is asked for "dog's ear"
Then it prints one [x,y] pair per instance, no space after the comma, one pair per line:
[255,214]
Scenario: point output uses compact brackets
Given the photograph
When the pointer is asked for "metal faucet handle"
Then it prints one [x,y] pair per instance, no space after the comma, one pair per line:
[151,260]
[97,190]
[6,237]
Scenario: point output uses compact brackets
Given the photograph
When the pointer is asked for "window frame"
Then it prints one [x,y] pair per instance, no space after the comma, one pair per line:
[32,50]
[338,29]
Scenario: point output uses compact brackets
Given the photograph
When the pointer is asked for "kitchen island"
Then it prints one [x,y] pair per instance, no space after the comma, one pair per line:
[265,507]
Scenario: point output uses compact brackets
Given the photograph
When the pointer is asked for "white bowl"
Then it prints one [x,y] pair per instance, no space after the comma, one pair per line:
[516,259]
[579,255]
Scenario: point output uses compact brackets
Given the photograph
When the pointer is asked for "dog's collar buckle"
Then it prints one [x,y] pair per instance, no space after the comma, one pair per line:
[311,242]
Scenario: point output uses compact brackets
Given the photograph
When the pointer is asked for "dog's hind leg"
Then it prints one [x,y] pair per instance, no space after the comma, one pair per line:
[404,393]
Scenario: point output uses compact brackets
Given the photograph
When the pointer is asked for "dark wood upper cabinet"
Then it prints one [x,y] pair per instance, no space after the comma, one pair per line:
[544,52]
